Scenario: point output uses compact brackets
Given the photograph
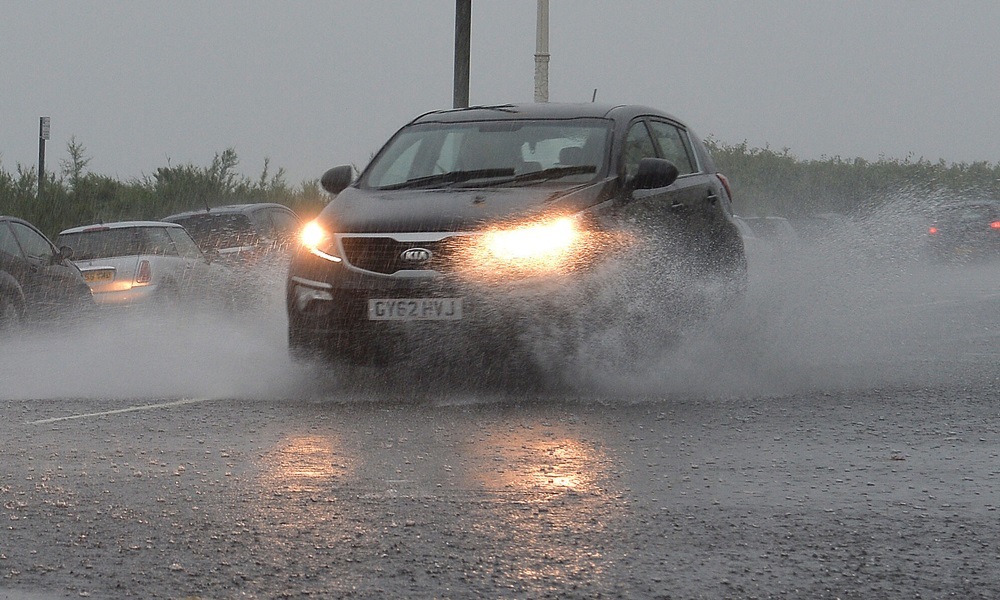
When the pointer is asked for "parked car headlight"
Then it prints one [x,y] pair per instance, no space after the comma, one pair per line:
[319,242]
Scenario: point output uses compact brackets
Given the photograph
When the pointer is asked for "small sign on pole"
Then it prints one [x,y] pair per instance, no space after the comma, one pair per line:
[43,134]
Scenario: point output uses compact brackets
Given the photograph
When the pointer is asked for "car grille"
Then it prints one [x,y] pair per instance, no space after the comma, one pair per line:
[384,255]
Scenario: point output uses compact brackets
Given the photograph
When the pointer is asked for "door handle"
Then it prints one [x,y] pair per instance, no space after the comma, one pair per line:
[712,197]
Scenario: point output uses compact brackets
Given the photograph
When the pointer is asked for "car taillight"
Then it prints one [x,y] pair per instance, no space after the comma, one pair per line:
[725,184]
[995,225]
[932,230]
[144,274]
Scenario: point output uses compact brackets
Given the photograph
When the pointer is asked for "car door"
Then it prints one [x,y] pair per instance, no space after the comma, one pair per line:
[197,271]
[48,281]
[673,207]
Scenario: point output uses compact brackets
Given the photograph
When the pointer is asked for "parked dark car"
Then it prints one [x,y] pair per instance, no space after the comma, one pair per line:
[243,235]
[38,282]
[467,220]
[965,231]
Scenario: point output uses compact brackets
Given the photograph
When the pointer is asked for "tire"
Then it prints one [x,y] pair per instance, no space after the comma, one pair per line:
[305,344]
[11,314]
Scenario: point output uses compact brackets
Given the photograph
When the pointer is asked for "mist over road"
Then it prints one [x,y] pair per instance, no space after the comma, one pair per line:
[835,436]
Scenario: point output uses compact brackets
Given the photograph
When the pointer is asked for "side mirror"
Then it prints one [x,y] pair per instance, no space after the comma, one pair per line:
[337,178]
[65,253]
[654,173]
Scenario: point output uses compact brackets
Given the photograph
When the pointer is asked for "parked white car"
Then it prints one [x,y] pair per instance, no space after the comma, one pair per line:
[146,263]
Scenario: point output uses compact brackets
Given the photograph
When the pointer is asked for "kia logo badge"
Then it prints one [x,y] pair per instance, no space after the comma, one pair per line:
[417,256]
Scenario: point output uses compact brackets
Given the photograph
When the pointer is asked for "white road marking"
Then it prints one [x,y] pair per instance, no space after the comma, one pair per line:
[121,410]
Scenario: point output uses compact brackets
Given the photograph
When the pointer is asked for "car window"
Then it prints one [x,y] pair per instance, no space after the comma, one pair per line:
[156,241]
[263,224]
[33,243]
[638,145]
[8,244]
[285,223]
[672,146]
[183,243]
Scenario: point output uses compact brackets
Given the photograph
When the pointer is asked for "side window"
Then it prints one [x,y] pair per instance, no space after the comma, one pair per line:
[156,241]
[638,145]
[183,242]
[8,245]
[673,147]
[286,225]
[265,227]
[32,242]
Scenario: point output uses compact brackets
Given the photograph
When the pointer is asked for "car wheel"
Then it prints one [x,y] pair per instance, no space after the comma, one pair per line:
[11,314]
[305,343]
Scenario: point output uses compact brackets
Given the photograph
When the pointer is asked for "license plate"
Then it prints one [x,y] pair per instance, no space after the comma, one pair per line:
[414,309]
[105,275]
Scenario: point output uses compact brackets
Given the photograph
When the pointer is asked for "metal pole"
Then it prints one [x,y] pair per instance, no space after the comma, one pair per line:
[542,53]
[463,43]
[43,134]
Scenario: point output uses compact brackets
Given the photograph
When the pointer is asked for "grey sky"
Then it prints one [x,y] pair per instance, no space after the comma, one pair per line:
[312,84]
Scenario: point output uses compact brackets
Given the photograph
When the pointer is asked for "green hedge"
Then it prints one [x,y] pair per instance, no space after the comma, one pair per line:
[765,182]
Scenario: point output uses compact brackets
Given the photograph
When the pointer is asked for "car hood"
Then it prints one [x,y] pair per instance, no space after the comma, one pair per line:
[465,209]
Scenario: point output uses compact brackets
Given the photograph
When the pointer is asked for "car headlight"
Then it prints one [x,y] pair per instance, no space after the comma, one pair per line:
[542,248]
[540,242]
[318,241]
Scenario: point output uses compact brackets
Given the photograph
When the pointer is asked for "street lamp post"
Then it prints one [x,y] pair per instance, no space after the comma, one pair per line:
[463,38]
[542,53]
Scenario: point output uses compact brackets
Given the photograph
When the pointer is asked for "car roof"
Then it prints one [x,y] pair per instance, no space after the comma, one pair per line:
[229,209]
[118,225]
[540,110]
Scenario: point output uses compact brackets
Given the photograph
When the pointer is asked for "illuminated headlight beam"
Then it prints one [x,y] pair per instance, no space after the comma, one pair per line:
[314,237]
[534,242]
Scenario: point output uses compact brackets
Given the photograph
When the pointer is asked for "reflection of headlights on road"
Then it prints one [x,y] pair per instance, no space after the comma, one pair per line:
[541,245]
[318,241]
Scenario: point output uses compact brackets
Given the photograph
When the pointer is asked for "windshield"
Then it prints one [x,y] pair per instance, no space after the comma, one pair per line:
[491,153]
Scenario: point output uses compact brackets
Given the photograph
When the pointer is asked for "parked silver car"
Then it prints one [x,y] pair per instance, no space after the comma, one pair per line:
[144,263]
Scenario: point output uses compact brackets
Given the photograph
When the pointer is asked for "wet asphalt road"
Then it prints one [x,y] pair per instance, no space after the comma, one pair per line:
[850,449]
[888,494]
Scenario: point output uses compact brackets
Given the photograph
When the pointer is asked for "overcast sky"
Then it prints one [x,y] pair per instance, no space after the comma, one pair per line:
[313,84]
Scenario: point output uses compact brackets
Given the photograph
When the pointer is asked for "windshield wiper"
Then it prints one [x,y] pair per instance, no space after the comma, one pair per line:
[449,178]
[548,174]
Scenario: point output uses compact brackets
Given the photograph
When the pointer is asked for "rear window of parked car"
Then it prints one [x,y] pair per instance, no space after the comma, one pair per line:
[105,243]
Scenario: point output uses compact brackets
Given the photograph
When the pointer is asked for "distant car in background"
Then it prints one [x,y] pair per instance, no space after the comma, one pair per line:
[244,235]
[751,243]
[774,230]
[37,280]
[965,231]
[152,263]
[815,227]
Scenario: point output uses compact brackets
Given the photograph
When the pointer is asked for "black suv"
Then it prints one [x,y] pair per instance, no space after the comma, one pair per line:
[243,235]
[473,229]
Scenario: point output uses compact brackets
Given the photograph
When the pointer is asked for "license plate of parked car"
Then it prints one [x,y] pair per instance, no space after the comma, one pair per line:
[104,275]
[414,309]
